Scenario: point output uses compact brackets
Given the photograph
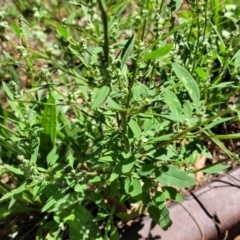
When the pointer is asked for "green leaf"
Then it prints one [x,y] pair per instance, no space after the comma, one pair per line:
[140,91]
[113,105]
[51,225]
[71,18]
[38,190]
[147,169]
[222,85]
[236,59]
[113,177]
[171,176]
[114,188]
[172,193]
[160,216]
[116,7]
[85,11]
[13,169]
[172,117]
[107,227]
[70,159]
[8,195]
[178,4]
[192,158]
[63,32]
[158,53]
[173,103]
[159,199]
[127,165]
[57,196]
[48,123]
[215,168]
[132,187]
[79,220]
[105,159]
[135,128]
[217,121]
[51,189]
[13,200]
[161,138]
[166,153]
[16,29]
[53,234]
[52,157]
[238,114]
[101,216]
[34,150]
[201,148]
[80,187]
[187,109]
[81,58]
[188,82]
[101,95]
[201,73]
[3,131]
[95,179]
[127,50]
[114,233]
[7,90]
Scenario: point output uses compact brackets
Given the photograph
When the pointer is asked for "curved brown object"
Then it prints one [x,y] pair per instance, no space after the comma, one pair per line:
[209,213]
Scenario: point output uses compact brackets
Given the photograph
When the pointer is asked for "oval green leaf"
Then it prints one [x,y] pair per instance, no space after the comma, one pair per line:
[101,96]
[127,50]
[63,32]
[173,103]
[171,176]
[160,52]
[215,168]
[188,82]
[135,128]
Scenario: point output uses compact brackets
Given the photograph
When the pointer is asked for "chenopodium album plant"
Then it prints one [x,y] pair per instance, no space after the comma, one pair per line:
[117,115]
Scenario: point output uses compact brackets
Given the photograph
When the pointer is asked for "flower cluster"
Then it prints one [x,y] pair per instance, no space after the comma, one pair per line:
[30,172]
[3,28]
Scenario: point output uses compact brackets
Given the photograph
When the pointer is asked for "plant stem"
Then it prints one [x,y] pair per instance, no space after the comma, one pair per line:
[160,145]
[105,29]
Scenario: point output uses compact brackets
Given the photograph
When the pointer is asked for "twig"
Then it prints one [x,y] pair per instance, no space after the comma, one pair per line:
[226,235]
[195,219]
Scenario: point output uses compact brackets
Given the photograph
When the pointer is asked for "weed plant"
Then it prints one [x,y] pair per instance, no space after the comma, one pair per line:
[105,104]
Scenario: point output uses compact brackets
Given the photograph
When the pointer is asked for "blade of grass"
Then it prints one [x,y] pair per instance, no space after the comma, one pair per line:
[48,123]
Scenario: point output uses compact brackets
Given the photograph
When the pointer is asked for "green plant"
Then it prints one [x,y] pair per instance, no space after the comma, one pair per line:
[123,95]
